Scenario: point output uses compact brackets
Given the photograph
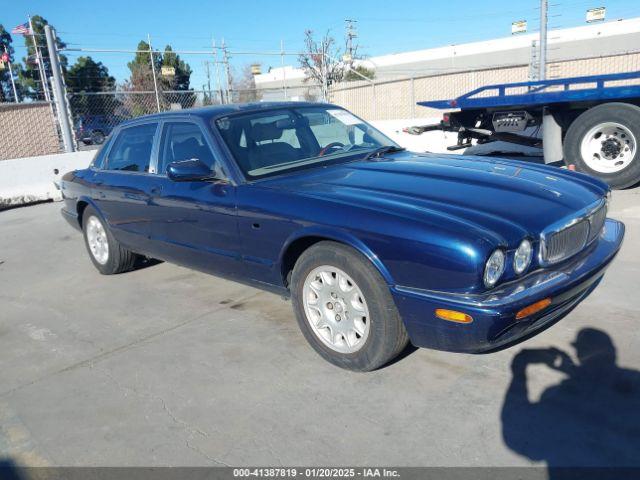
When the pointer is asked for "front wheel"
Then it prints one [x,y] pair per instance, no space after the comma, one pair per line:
[344,308]
[603,142]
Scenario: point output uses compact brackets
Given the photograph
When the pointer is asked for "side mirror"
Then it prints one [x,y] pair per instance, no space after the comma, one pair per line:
[189,171]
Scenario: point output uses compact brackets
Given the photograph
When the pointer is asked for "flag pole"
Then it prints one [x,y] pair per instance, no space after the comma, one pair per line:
[43,79]
[13,83]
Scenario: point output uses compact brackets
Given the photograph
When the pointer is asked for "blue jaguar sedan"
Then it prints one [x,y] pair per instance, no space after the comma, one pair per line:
[375,246]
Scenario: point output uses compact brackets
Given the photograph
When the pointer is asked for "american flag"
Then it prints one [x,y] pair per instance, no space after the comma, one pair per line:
[22,29]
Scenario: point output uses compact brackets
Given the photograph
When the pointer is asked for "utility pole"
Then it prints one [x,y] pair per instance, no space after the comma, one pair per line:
[217,64]
[225,60]
[284,75]
[351,33]
[542,58]
[41,71]
[153,72]
[59,90]
[206,65]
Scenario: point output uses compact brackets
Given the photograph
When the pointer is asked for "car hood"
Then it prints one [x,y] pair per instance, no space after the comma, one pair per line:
[501,200]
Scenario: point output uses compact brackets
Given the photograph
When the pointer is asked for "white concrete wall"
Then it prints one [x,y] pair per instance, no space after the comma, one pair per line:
[32,179]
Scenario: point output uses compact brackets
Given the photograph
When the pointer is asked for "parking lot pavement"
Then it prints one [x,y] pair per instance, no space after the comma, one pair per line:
[166,366]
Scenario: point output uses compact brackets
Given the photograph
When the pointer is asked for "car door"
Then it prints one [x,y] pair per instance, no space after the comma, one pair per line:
[124,184]
[196,222]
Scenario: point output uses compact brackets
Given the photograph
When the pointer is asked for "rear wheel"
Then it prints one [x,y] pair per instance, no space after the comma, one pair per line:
[107,255]
[603,142]
[344,308]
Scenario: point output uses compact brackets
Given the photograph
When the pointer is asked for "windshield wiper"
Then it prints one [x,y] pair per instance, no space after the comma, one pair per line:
[378,152]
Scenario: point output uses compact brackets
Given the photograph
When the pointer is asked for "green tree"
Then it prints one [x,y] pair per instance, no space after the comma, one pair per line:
[86,78]
[141,80]
[30,75]
[182,71]
[87,75]
[176,80]
[351,76]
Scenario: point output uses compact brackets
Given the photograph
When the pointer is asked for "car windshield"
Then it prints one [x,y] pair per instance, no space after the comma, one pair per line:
[273,141]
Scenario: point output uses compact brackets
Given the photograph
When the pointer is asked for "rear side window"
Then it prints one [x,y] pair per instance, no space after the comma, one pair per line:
[131,149]
[183,141]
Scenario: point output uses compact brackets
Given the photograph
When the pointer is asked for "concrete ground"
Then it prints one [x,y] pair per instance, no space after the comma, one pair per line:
[166,366]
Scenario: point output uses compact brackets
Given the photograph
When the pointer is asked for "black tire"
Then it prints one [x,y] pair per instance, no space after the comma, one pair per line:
[97,137]
[119,258]
[387,336]
[622,113]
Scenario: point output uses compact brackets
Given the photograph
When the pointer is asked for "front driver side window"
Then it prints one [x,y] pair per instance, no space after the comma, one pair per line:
[183,141]
[131,149]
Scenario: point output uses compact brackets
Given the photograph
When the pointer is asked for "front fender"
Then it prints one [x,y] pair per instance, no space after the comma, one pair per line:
[341,236]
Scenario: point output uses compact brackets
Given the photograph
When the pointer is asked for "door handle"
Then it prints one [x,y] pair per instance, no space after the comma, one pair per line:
[155,190]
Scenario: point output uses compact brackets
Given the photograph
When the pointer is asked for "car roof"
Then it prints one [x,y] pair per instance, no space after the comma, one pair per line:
[220,110]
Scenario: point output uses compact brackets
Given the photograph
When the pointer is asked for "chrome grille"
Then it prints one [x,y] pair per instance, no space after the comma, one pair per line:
[567,242]
[597,222]
[558,245]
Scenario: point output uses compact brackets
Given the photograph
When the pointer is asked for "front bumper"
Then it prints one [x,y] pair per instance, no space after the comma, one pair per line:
[494,323]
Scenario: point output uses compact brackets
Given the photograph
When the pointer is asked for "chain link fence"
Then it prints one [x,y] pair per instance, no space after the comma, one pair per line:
[95,115]
[31,128]
[28,130]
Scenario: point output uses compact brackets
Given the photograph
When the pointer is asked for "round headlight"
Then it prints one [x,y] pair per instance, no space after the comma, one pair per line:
[494,268]
[522,257]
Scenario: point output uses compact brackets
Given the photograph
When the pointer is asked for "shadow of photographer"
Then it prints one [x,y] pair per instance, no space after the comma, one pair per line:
[589,419]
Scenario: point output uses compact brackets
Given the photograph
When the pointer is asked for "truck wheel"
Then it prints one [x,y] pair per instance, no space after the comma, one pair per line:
[107,255]
[603,142]
[345,309]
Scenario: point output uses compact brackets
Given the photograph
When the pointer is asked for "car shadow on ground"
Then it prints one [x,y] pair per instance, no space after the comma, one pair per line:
[589,419]
[143,262]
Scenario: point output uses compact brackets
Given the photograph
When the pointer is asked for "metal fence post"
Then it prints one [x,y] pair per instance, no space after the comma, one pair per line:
[59,91]
[153,72]
[375,102]
[413,97]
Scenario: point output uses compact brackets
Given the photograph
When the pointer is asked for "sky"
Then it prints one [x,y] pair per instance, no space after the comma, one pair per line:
[252,25]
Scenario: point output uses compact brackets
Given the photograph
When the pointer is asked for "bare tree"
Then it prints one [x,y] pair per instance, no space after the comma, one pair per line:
[245,86]
[318,61]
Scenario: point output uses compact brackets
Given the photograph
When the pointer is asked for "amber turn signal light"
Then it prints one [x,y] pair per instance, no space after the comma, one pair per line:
[453,316]
[533,308]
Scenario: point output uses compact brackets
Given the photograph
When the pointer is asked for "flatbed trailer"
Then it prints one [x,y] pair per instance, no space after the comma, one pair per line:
[591,123]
